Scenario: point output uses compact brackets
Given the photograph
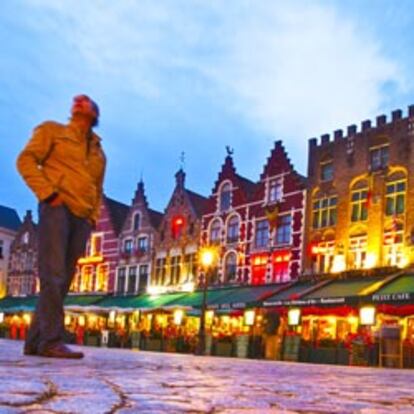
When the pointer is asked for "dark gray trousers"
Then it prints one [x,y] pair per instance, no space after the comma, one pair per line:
[62,239]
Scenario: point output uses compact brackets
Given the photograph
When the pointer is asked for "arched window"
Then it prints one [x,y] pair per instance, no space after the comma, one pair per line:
[230,267]
[225,197]
[233,229]
[215,229]
[136,222]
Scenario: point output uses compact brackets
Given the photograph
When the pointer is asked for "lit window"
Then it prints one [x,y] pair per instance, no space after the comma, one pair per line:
[102,274]
[233,230]
[160,271]
[215,232]
[283,229]
[359,205]
[280,271]
[275,190]
[358,251]
[327,171]
[225,197]
[261,238]
[175,268]
[132,279]
[395,198]
[177,227]
[143,278]
[379,158]
[190,265]
[86,278]
[324,212]
[96,245]
[323,257]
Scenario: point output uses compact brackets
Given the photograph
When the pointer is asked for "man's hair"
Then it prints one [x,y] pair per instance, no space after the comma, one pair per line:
[96,109]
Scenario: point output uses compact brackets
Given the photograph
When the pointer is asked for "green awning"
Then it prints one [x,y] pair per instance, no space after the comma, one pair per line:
[400,289]
[11,304]
[114,303]
[195,299]
[242,297]
[288,293]
[341,291]
[81,302]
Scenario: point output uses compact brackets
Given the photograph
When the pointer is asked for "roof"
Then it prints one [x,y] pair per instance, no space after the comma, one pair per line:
[198,201]
[249,187]
[155,218]
[118,212]
[9,218]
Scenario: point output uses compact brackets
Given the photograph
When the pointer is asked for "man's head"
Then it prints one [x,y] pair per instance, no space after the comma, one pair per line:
[85,107]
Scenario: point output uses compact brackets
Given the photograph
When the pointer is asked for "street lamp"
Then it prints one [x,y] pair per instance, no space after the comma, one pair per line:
[207,259]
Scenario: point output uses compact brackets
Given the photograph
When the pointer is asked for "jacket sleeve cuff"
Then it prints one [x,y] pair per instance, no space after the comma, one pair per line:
[50,198]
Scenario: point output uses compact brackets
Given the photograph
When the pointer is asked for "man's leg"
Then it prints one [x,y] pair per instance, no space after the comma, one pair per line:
[52,245]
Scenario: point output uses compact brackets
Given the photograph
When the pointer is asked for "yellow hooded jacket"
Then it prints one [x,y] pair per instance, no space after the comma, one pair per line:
[57,159]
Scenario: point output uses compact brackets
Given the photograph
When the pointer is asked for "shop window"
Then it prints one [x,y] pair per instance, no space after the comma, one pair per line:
[225,197]
[358,251]
[379,158]
[136,222]
[142,244]
[175,269]
[324,212]
[259,264]
[233,230]
[143,278]
[327,171]
[261,238]
[280,271]
[395,198]
[283,229]
[102,275]
[121,279]
[230,267]
[160,271]
[275,190]
[215,229]
[359,205]
[132,279]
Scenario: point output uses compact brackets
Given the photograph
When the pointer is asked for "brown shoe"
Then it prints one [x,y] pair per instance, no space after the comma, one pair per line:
[60,351]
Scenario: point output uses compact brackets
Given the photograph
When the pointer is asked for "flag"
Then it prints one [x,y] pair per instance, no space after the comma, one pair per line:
[271,215]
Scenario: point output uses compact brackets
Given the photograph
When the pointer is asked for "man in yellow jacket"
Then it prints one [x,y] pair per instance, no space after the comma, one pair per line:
[64,166]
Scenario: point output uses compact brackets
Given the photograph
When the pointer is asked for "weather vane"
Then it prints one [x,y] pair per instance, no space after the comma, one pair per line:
[230,151]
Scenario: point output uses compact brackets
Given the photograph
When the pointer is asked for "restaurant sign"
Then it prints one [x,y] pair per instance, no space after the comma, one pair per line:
[392,297]
[310,302]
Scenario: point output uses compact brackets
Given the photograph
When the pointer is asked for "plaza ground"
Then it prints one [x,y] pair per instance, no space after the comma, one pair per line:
[125,381]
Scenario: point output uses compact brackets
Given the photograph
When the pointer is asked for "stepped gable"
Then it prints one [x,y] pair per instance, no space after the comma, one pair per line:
[228,172]
[198,202]
[118,212]
[9,219]
[279,162]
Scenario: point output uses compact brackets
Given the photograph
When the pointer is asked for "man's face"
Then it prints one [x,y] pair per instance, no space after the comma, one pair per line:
[82,105]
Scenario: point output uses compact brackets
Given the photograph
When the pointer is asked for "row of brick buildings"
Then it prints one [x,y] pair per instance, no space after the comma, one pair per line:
[351,212]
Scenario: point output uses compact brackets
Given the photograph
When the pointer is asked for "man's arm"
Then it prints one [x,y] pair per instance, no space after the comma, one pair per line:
[31,159]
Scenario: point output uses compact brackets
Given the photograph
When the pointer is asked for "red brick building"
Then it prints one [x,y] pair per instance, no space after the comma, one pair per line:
[359,187]
[22,268]
[96,270]
[138,238]
[175,261]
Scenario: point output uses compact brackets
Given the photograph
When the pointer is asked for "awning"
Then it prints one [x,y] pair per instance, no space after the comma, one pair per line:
[242,297]
[289,294]
[13,304]
[81,302]
[401,289]
[194,300]
[340,292]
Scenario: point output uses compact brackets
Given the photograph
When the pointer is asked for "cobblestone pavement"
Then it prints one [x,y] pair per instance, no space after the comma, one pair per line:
[124,381]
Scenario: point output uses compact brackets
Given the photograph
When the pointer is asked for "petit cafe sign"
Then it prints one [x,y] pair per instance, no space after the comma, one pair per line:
[391,297]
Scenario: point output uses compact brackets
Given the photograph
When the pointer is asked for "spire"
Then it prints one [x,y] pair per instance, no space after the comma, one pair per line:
[140,193]
[180,178]
[28,217]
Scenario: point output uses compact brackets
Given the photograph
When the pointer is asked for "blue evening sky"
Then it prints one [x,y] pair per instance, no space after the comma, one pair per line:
[195,76]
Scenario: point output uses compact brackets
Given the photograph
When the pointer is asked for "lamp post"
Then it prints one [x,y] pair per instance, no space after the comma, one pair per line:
[207,259]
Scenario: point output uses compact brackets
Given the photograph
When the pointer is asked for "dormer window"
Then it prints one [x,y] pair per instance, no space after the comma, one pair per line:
[136,222]
[275,190]
[225,197]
